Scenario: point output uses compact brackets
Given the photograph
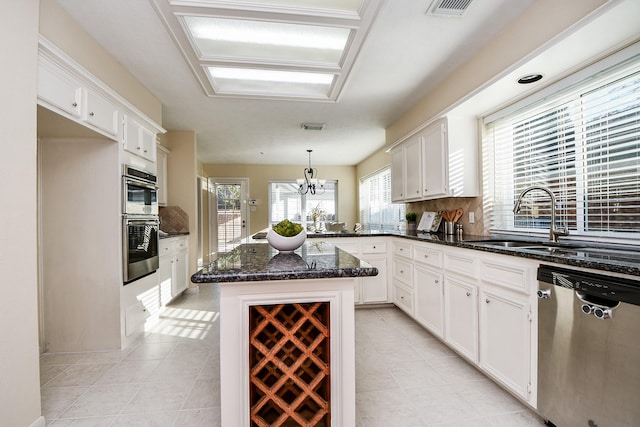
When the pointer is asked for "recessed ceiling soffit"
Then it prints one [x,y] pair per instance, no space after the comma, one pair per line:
[270,49]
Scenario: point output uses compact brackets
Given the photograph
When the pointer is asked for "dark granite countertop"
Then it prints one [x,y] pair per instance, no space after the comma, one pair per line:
[164,235]
[259,261]
[617,258]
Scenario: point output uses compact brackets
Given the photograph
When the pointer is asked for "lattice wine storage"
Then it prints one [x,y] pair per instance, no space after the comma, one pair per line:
[289,365]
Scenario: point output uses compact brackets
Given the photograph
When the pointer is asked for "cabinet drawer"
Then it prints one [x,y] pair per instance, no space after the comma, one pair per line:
[460,264]
[428,256]
[511,275]
[403,299]
[180,243]
[402,271]
[402,249]
[374,247]
[166,247]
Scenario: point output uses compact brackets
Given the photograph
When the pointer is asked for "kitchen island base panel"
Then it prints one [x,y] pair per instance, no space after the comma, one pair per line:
[236,302]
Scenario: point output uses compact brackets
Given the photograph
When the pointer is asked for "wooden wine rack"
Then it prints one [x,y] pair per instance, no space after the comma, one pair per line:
[289,365]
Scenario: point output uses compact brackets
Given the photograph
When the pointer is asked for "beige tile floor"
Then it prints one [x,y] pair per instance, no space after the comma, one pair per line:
[404,377]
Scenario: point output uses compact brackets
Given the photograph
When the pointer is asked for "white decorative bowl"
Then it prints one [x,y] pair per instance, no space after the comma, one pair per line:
[286,244]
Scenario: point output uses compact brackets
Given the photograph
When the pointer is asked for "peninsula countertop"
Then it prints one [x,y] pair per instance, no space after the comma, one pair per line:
[252,262]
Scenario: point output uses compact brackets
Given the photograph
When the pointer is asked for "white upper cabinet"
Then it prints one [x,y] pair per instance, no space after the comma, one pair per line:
[101,113]
[138,140]
[434,171]
[71,91]
[438,161]
[58,89]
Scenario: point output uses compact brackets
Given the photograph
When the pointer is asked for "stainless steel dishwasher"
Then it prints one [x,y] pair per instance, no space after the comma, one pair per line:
[588,349]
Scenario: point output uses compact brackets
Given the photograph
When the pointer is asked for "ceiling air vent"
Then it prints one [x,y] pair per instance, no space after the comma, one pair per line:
[448,7]
[313,126]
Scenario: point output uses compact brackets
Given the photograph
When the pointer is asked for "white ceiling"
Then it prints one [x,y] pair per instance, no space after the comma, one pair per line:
[406,54]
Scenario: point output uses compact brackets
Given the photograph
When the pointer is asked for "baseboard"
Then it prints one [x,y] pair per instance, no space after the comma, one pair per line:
[40,422]
[192,290]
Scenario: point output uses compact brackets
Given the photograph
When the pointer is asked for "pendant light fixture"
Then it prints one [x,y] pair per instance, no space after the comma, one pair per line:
[310,183]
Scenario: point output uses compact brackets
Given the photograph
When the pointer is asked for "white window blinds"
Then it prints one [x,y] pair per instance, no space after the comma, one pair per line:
[584,145]
[376,210]
[285,202]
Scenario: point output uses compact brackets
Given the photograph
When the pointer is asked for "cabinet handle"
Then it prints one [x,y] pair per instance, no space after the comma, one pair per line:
[437,281]
[468,294]
[91,114]
[426,256]
[487,300]
[75,104]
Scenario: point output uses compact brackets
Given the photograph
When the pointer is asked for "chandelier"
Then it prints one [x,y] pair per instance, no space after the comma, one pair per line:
[310,183]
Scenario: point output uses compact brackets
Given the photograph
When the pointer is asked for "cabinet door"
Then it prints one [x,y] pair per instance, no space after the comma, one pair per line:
[435,162]
[162,176]
[413,165]
[58,89]
[374,288]
[165,279]
[429,299]
[461,317]
[148,144]
[179,282]
[505,333]
[101,113]
[397,175]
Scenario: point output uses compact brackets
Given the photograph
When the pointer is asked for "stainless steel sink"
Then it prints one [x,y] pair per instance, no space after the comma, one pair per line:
[584,251]
[506,243]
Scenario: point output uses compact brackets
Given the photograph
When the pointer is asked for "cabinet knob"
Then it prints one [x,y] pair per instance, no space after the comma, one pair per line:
[437,281]
[468,294]
[487,300]
[75,104]
[137,148]
[426,256]
[374,247]
[401,271]
[91,114]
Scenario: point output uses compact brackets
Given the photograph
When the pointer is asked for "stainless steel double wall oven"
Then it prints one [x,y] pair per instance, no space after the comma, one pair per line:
[140,224]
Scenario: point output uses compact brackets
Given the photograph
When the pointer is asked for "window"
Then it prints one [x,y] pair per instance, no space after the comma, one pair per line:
[583,143]
[286,203]
[376,210]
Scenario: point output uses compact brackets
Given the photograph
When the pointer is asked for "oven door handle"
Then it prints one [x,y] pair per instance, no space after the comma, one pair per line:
[139,183]
[131,220]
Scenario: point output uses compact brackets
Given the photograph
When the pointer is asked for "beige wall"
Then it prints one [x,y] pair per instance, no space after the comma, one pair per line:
[182,186]
[259,176]
[20,390]
[543,21]
[59,28]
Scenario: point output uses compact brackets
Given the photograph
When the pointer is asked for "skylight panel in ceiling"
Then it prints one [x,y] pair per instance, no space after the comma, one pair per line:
[259,41]
[269,48]
[251,82]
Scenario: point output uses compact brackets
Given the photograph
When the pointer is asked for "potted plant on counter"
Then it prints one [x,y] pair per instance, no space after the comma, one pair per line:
[411,218]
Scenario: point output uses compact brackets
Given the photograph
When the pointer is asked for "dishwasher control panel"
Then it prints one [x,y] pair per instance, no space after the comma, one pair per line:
[607,287]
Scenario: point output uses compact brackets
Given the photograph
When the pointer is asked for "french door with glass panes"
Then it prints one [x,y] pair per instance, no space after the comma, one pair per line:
[228,219]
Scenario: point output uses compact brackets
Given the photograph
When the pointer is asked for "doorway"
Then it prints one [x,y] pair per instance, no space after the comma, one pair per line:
[228,218]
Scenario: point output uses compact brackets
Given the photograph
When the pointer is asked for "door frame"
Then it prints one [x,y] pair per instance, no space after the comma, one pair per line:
[213,209]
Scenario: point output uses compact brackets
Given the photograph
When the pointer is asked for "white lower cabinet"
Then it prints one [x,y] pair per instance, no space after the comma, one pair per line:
[429,299]
[373,289]
[461,316]
[172,273]
[505,334]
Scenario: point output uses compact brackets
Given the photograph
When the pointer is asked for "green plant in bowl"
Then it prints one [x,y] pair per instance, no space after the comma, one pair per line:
[411,216]
[287,228]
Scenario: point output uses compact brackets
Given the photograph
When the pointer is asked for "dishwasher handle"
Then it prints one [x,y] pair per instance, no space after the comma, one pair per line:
[601,308]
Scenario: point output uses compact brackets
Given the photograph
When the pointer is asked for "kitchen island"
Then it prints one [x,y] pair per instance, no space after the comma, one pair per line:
[287,345]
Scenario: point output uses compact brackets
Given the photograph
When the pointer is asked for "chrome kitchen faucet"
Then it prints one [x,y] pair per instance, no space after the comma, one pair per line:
[554,232]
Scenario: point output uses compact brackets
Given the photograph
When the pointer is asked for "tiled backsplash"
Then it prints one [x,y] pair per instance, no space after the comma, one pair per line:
[173,219]
[467,204]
